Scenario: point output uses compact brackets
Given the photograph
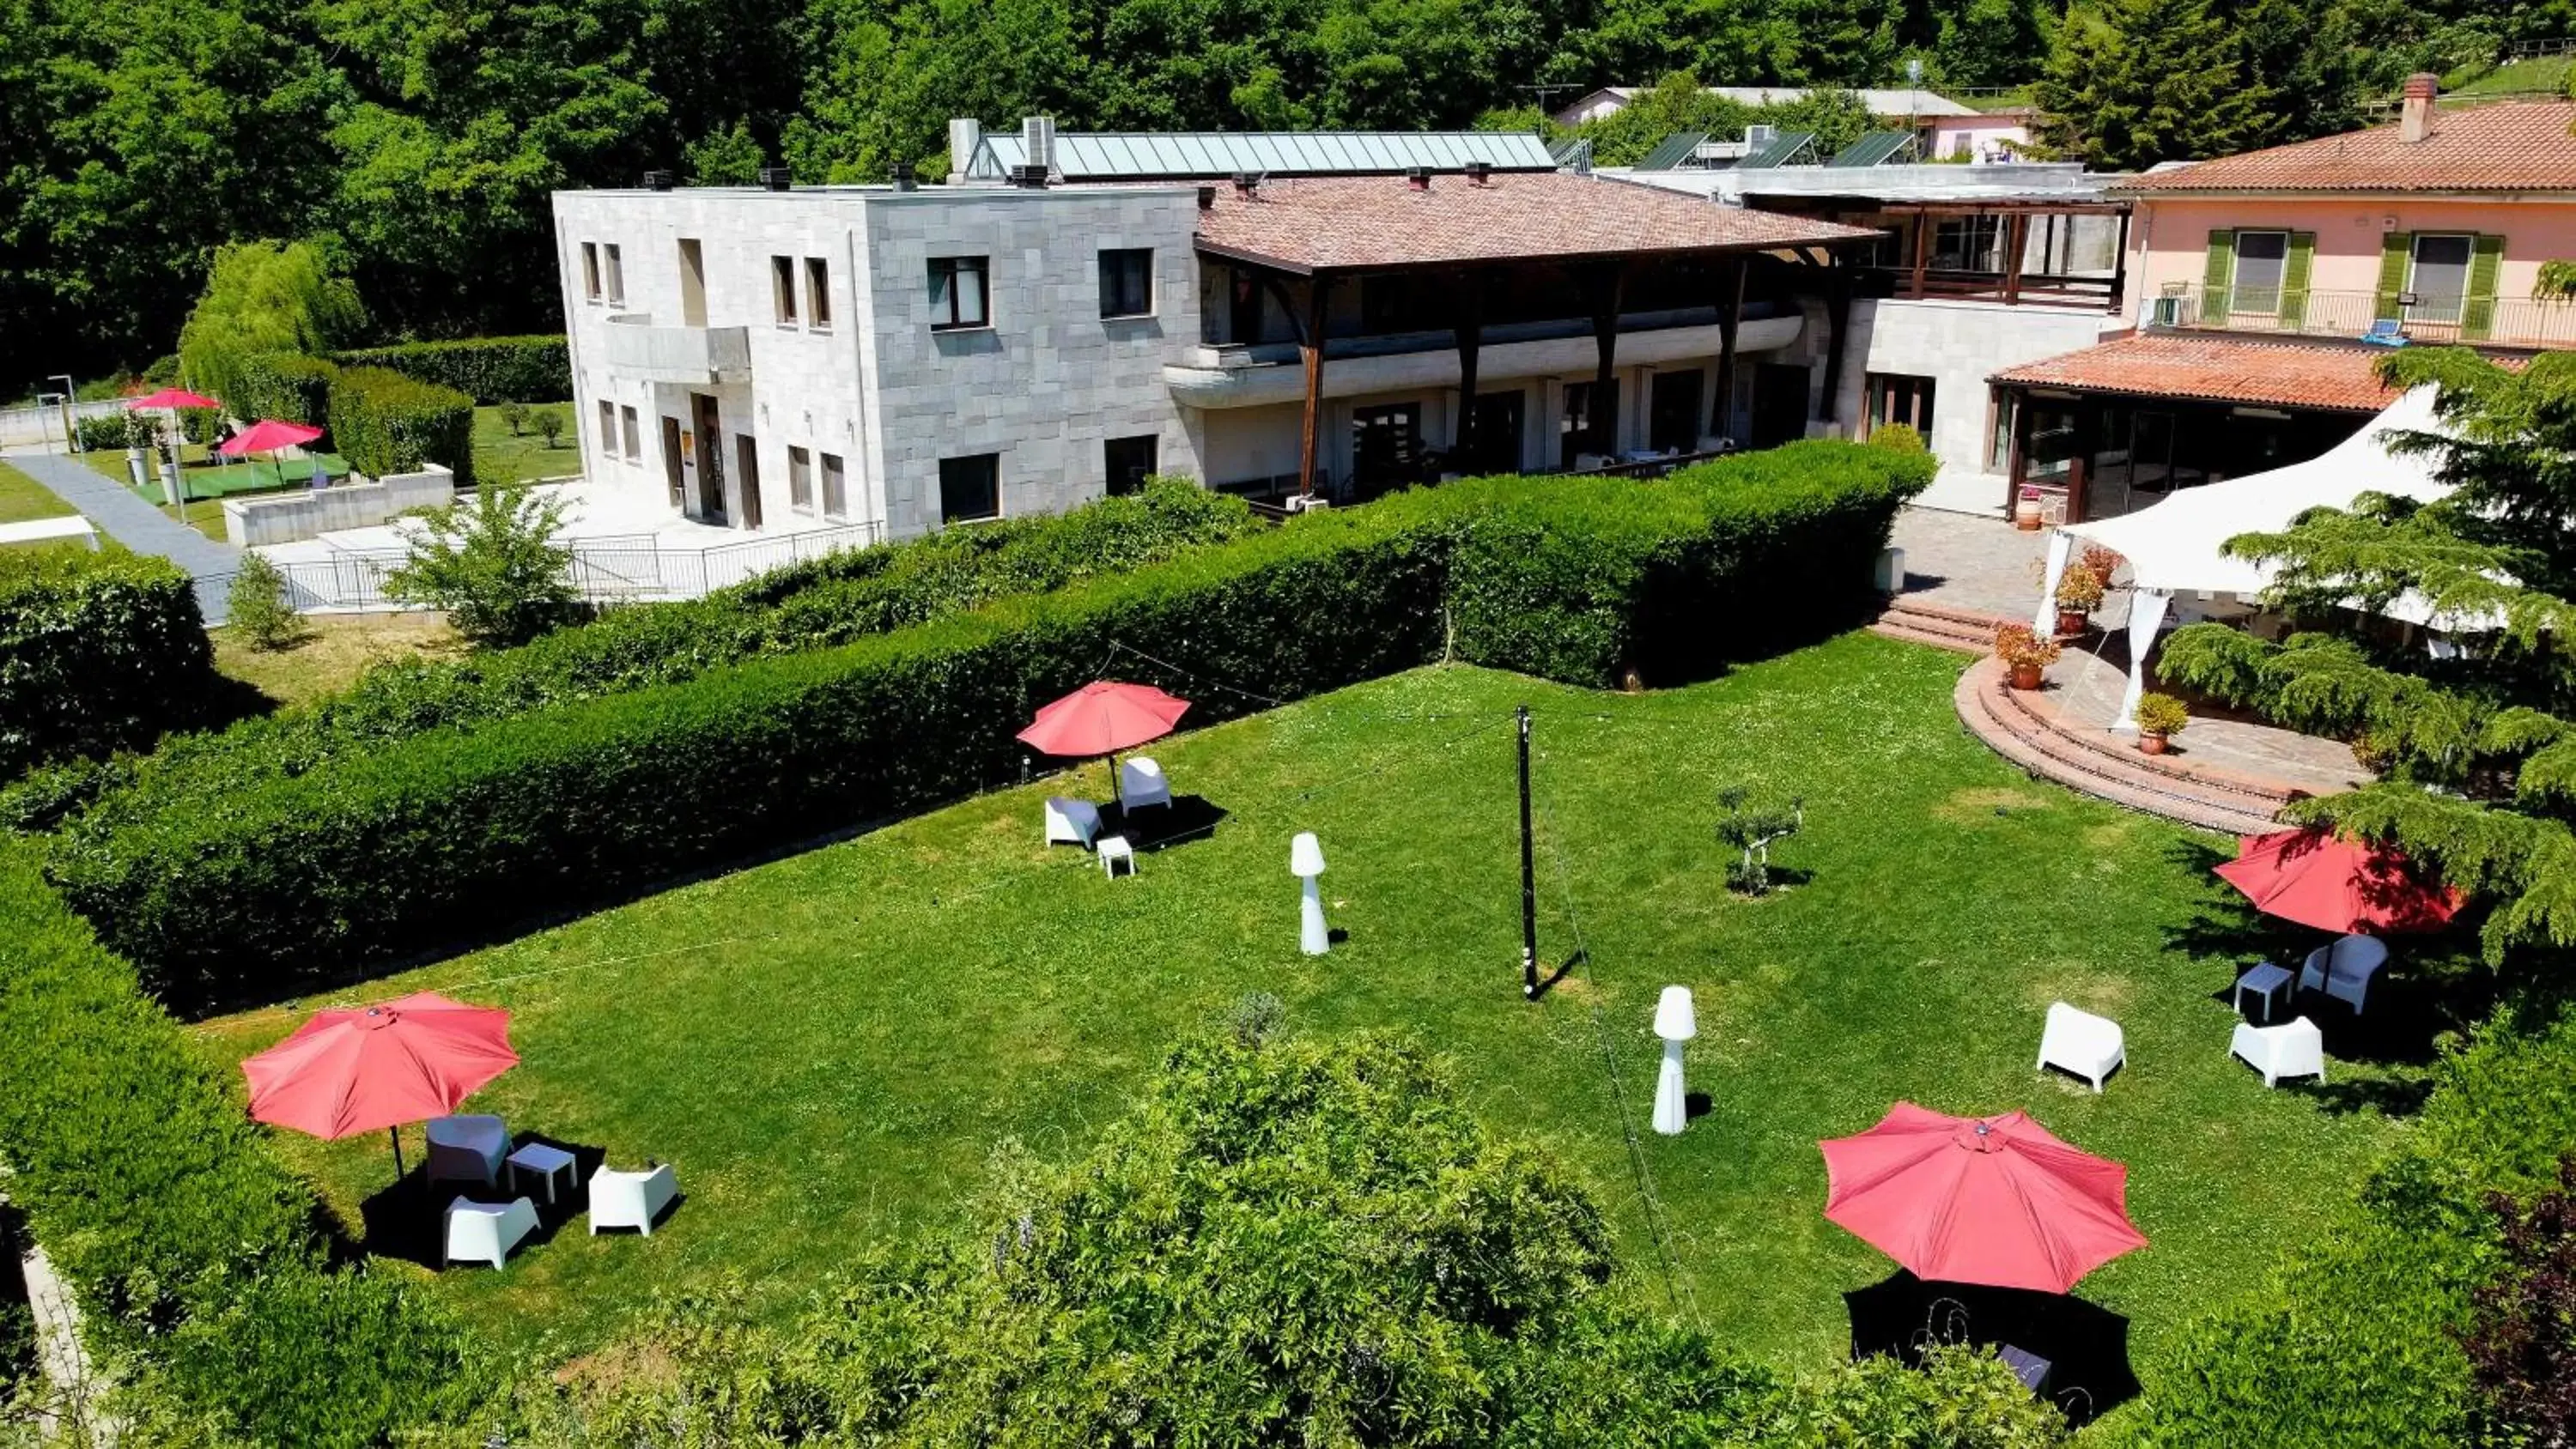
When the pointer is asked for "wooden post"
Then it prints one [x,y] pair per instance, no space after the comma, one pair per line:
[1607,285]
[1922,252]
[2120,268]
[1310,345]
[1730,316]
[2016,241]
[1469,329]
[1837,336]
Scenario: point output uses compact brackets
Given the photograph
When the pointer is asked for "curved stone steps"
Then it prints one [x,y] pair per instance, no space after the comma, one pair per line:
[1962,631]
[2026,732]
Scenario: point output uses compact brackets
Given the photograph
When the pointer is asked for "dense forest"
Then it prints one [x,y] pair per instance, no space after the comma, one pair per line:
[415,141]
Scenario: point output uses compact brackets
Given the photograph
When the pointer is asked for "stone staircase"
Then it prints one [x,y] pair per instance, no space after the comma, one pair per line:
[1962,631]
[2025,728]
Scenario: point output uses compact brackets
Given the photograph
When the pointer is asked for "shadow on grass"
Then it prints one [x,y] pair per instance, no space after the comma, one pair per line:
[406,1219]
[1160,827]
[2081,1349]
[1547,980]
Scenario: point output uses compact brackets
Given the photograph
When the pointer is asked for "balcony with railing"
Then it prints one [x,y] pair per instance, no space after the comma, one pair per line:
[696,356]
[2406,317]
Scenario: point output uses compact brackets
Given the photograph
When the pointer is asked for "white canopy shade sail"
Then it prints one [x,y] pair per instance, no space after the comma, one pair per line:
[2177,545]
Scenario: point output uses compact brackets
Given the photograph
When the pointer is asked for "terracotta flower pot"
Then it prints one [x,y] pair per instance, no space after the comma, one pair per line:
[2026,515]
[2072,621]
[2025,676]
[2151,744]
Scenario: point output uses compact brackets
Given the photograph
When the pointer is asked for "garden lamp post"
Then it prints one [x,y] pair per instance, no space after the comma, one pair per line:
[1306,861]
[1676,1023]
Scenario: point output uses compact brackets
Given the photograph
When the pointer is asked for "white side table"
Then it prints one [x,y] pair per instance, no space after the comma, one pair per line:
[1112,850]
[544,1161]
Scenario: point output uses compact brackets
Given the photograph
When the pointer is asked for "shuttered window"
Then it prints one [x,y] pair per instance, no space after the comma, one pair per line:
[2478,313]
[2396,248]
[2215,277]
[2295,272]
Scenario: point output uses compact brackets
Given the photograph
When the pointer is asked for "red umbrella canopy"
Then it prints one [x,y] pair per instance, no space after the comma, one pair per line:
[267,436]
[1993,1200]
[1102,717]
[2334,884]
[359,1069]
[172,397]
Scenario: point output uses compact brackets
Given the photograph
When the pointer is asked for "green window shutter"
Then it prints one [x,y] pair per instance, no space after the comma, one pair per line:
[2216,278]
[2478,309]
[2294,280]
[2395,248]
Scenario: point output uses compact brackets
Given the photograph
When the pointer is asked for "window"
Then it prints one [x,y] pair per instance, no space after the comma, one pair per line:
[836,487]
[2439,278]
[616,275]
[1129,461]
[608,427]
[818,294]
[1127,282]
[800,479]
[1574,425]
[1898,398]
[960,295]
[631,432]
[782,289]
[590,270]
[970,488]
[2262,258]
[1967,244]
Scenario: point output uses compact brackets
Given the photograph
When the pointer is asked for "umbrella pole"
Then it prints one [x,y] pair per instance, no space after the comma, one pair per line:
[394,1135]
[1117,787]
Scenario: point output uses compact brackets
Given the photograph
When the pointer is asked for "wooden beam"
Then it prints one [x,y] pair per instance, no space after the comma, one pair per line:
[1730,316]
[1837,337]
[2120,268]
[2016,241]
[1607,284]
[1922,253]
[1310,347]
[1468,326]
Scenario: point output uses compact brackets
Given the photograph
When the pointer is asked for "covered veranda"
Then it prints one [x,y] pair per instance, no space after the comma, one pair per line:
[1470,255]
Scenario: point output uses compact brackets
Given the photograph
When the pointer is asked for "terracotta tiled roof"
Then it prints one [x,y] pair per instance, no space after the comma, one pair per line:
[2521,146]
[2217,369]
[1356,223]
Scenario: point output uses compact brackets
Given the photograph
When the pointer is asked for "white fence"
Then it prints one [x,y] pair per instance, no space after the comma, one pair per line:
[607,570]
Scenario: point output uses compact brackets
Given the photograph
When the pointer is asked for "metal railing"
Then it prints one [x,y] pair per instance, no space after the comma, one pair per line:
[2409,316]
[616,569]
[2091,291]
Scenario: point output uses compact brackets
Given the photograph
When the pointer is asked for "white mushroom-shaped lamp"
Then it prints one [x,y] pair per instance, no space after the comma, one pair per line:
[1676,1023]
[1306,861]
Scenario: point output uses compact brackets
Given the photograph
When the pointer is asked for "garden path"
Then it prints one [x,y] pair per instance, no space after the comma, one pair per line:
[138,525]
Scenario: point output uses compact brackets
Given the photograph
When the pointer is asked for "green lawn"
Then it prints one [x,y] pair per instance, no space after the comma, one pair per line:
[2543,75]
[23,498]
[830,1045]
[502,457]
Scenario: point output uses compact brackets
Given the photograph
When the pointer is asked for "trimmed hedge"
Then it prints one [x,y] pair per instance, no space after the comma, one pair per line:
[109,432]
[365,848]
[487,369]
[98,652]
[284,385]
[185,1243]
[384,422]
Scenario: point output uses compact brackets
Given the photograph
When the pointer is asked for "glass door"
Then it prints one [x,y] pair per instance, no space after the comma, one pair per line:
[2439,280]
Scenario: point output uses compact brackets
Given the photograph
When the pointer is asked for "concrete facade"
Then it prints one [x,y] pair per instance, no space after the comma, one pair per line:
[310,513]
[1958,344]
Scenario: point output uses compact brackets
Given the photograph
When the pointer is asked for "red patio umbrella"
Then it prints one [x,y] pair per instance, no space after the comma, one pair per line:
[355,1069]
[1992,1200]
[171,397]
[267,436]
[2334,884]
[1102,718]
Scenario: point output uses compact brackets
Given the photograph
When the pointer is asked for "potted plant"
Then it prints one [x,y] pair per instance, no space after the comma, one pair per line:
[2079,593]
[2099,562]
[2024,654]
[2160,718]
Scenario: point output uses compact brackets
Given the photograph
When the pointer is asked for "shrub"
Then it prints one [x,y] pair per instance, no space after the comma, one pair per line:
[384,422]
[112,432]
[486,369]
[1897,438]
[97,652]
[2161,714]
[264,297]
[258,610]
[549,425]
[184,1243]
[2520,1352]
[2079,590]
[515,416]
[2019,648]
[284,385]
[493,564]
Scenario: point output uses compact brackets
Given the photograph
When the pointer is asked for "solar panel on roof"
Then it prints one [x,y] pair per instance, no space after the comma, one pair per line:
[1110,156]
[1676,149]
[1875,149]
[1780,150]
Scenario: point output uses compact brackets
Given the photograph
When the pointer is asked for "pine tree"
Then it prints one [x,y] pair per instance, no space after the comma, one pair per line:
[2477,752]
[2147,81]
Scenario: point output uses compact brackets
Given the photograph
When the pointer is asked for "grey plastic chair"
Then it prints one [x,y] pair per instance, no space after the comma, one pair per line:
[467,1149]
[2345,969]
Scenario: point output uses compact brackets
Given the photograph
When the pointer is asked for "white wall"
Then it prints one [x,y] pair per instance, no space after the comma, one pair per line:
[1958,344]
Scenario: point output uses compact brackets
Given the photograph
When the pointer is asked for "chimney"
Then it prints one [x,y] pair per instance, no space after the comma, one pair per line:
[1419,178]
[659,180]
[2415,120]
[1037,137]
[901,174]
[1207,198]
[965,136]
[1245,183]
[776,178]
[1478,172]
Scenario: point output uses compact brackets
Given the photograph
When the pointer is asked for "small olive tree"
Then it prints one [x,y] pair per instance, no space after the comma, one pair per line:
[549,425]
[258,607]
[1752,828]
[492,563]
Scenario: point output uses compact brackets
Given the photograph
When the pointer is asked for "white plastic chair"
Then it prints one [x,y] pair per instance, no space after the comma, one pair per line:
[467,1149]
[2295,1048]
[1071,822]
[631,1199]
[485,1232]
[1141,783]
[2344,970]
[2078,1041]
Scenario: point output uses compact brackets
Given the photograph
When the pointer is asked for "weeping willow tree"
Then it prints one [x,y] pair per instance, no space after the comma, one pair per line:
[262,297]
[2475,745]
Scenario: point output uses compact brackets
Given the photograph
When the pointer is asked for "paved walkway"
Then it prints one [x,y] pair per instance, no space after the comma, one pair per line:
[140,526]
[1961,561]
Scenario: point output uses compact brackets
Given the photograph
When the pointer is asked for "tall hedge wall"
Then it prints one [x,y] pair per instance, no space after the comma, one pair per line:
[284,385]
[366,851]
[98,652]
[185,1243]
[486,369]
[384,422]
